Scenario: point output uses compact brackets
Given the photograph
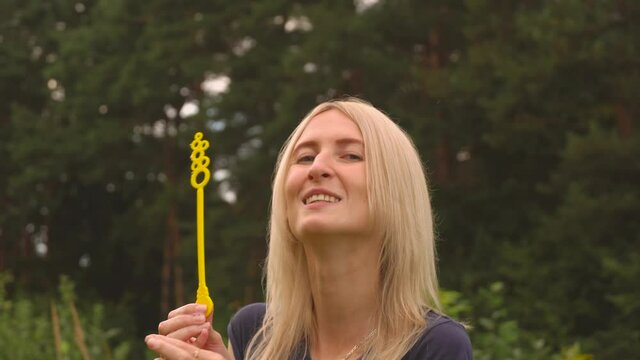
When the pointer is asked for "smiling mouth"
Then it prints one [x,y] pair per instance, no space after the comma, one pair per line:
[320,197]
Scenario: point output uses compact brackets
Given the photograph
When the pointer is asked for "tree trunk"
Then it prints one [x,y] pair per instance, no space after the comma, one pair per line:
[166,279]
[174,238]
[171,266]
[442,171]
[623,120]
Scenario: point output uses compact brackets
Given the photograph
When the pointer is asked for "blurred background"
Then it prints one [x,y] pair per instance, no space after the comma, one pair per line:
[525,113]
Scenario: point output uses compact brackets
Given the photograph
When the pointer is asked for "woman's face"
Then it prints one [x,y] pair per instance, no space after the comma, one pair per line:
[326,185]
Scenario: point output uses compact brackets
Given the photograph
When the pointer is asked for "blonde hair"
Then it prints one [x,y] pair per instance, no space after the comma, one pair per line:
[399,201]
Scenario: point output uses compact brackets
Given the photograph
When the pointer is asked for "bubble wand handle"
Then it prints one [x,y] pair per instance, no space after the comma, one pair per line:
[199,168]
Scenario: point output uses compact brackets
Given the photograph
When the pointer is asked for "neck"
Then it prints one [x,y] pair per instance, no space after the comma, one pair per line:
[344,279]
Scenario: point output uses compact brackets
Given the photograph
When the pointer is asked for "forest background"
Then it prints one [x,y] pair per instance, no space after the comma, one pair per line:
[525,113]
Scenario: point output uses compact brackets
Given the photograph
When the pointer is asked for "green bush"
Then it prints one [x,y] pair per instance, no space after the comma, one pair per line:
[55,328]
[495,335]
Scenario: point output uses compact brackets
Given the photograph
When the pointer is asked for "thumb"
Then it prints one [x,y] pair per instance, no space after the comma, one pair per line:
[211,340]
[202,340]
[205,339]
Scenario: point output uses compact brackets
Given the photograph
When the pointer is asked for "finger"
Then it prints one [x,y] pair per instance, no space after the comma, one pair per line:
[213,342]
[170,349]
[188,309]
[165,348]
[215,337]
[188,332]
[180,321]
[153,340]
[202,338]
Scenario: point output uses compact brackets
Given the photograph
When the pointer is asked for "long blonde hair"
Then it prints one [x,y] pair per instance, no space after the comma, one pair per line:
[399,201]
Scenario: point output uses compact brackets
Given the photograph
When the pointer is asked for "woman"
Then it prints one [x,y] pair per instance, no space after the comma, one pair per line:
[351,267]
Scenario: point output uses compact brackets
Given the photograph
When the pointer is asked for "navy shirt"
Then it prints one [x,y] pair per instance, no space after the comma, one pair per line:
[442,339]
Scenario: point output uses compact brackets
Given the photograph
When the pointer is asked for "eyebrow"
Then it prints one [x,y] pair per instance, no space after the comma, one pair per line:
[341,142]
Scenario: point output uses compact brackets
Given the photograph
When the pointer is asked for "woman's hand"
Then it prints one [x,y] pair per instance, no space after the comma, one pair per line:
[173,349]
[188,326]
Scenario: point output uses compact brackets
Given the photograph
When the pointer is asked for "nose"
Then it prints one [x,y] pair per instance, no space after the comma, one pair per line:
[320,168]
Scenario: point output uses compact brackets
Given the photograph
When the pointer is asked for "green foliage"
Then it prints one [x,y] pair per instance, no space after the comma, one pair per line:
[496,335]
[30,327]
[598,198]
[494,332]
[573,353]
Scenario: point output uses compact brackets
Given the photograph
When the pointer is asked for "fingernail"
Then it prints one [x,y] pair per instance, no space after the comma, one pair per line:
[151,342]
[201,307]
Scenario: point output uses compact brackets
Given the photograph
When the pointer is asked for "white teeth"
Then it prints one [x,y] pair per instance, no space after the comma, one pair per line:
[320,197]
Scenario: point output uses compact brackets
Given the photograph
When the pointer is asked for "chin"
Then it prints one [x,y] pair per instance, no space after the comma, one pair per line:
[312,228]
[316,228]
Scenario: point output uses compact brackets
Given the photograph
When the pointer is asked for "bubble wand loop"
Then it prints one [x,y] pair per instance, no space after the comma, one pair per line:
[199,164]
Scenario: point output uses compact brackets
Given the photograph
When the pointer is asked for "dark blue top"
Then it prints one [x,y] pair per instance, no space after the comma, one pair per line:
[442,339]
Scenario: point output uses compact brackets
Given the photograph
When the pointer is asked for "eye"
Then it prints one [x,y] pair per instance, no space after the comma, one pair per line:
[352,157]
[305,159]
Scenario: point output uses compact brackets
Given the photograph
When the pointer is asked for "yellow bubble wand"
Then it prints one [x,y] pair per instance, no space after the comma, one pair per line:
[199,163]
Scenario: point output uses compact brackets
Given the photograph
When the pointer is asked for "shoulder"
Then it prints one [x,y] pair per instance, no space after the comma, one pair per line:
[442,339]
[243,326]
[249,315]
